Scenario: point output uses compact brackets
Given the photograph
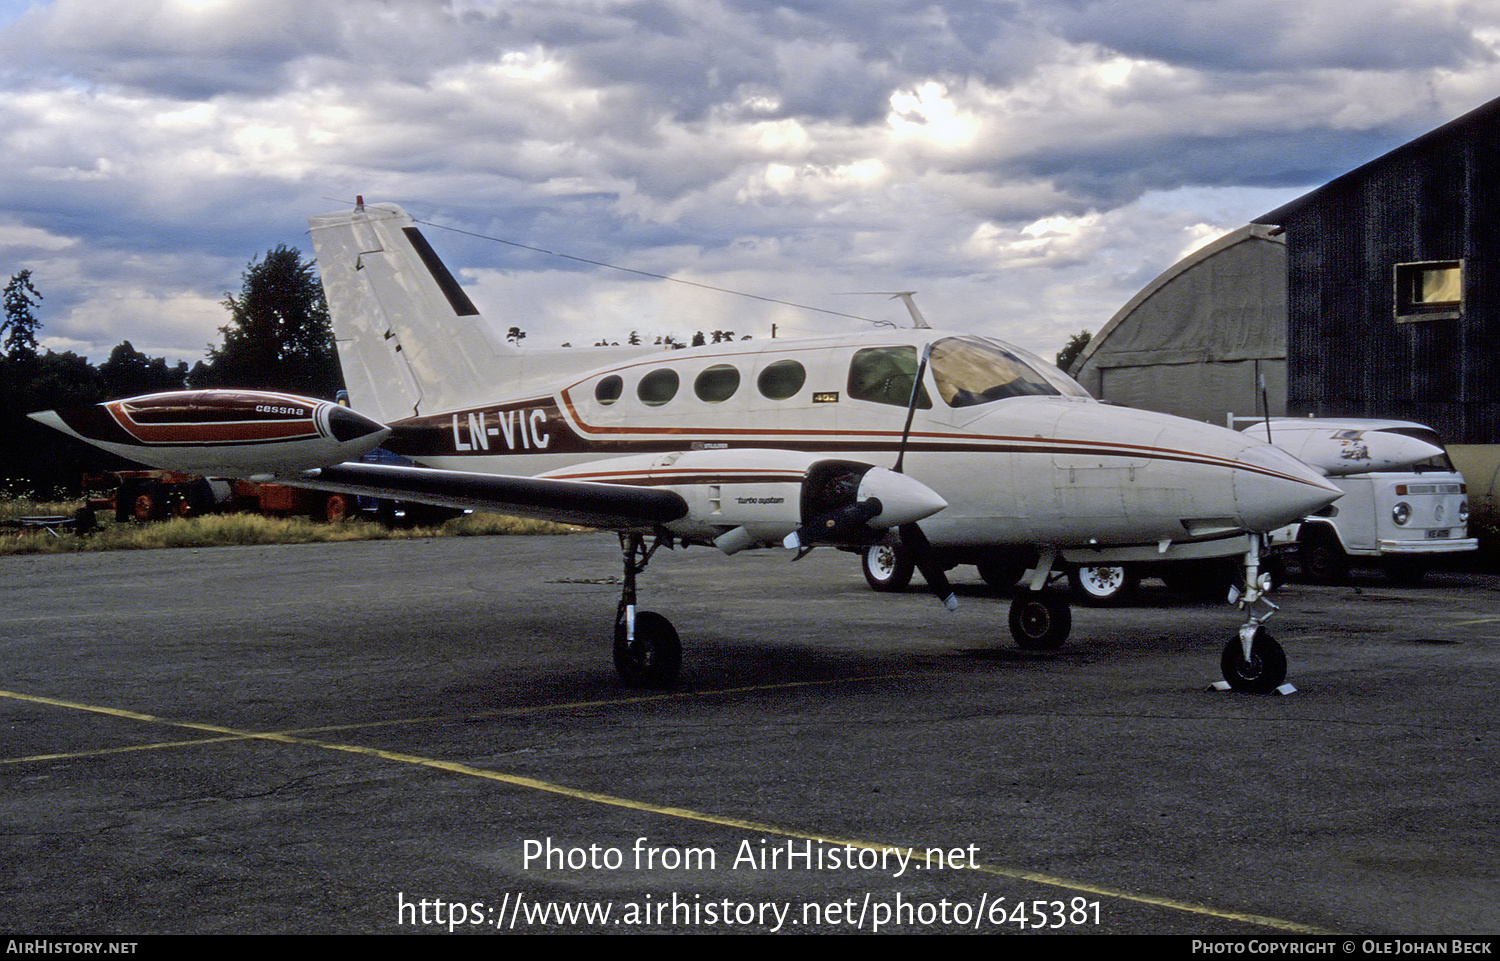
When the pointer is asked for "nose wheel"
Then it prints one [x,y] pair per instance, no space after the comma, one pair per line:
[1262,672]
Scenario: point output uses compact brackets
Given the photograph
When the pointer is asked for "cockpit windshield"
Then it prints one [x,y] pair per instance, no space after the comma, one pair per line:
[970,371]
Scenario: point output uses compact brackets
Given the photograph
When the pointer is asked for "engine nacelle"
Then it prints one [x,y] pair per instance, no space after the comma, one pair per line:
[741,498]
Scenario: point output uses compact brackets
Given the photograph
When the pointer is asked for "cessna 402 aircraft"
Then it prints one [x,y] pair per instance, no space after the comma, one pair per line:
[954,447]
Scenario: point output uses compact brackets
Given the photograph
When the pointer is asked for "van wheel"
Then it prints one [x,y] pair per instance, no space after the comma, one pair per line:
[1323,559]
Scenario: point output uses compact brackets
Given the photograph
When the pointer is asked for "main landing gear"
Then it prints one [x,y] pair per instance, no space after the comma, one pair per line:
[1252,662]
[1040,618]
[647,650]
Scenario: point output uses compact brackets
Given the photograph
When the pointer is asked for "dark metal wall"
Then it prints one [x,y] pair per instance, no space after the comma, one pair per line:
[1435,199]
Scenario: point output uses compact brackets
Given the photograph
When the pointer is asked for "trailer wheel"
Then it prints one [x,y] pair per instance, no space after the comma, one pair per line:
[338,507]
[149,503]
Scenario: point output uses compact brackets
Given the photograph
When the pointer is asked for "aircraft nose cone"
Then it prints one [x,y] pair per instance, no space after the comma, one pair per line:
[903,500]
[346,425]
[1273,489]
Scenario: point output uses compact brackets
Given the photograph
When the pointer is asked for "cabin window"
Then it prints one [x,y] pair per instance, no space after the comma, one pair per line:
[717,383]
[1433,290]
[607,391]
[657,387]
[884,375]
[969,371]
[782,379]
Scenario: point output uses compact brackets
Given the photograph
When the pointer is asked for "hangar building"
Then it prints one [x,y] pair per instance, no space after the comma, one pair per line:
[1376,295]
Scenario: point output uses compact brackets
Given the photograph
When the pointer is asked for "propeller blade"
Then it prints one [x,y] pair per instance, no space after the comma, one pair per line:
[911,407]
[926,560]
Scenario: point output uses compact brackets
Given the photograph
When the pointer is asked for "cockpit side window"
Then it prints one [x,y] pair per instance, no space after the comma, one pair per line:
[970,371]
[884,375]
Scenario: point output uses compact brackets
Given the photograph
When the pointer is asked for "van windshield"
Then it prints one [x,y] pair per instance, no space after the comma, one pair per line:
[970,371]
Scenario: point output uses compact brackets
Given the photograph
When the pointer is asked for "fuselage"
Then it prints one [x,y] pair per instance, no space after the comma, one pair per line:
[1021,453]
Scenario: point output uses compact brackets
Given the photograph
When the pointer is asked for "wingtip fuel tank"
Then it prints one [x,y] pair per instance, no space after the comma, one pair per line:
[232,433]
[1342,447]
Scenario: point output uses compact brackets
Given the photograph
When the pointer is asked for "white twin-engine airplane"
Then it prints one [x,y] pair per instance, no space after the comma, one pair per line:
[951,448]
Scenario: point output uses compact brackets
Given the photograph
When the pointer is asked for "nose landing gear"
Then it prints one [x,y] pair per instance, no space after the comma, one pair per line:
[1253,663]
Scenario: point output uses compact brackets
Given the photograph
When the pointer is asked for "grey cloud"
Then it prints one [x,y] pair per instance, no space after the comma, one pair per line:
[1258,35]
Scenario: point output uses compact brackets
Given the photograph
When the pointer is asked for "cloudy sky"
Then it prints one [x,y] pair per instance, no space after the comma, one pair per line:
[1025,165]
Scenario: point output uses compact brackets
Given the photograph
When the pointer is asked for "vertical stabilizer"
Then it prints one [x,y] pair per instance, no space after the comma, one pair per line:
[409,339]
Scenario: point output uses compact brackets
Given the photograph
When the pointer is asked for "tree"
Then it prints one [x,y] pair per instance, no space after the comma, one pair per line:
[1073,349]
[129,372]
[279,336]
[20,322]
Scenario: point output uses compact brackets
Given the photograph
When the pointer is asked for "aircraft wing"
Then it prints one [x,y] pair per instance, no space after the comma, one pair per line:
[611,506]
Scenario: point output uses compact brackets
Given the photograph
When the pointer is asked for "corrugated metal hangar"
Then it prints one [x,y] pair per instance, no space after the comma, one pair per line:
[1376,295]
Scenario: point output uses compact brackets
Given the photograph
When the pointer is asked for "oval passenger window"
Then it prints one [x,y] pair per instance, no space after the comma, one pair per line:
[657,387]
[717,383]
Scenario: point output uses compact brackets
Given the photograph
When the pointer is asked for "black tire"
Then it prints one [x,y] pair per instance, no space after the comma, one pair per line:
[1263,673]
[1103,585]
[1322,557]
[1404,571]
[887,567]
[1040,620]
[654,657]
[1001,574]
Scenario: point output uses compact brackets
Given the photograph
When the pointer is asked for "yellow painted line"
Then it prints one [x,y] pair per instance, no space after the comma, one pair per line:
[227,735]
[687,814]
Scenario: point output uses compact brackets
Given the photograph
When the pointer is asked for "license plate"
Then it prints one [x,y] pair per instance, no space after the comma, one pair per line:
[1438,534]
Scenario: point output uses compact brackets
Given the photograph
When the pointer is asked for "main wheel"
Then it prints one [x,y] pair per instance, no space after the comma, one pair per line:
[1040,620]
[1263,673]
[1103,585]
[888,567]
[653,657]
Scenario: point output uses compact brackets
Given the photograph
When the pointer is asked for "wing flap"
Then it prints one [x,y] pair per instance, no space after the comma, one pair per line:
[609,506]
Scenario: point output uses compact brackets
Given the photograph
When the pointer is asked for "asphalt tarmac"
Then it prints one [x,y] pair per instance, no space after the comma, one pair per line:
[429,737]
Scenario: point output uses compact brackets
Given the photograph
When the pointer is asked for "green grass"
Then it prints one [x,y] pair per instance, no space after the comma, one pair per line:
[222,530]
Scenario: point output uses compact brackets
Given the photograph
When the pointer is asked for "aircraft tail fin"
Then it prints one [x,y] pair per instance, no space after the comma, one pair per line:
[409,339]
